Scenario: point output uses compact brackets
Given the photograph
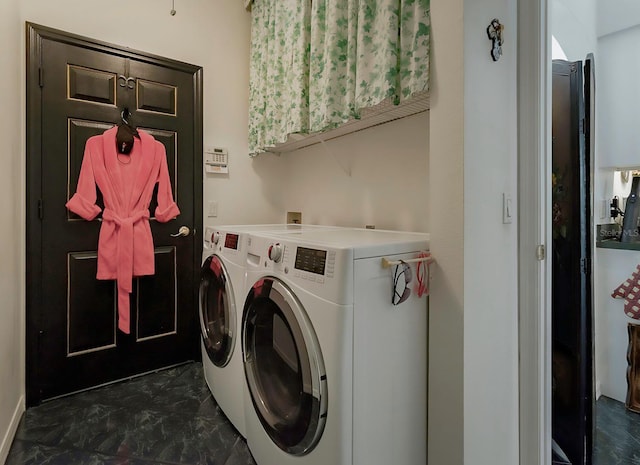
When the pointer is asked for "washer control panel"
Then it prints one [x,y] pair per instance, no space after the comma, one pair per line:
[325,271]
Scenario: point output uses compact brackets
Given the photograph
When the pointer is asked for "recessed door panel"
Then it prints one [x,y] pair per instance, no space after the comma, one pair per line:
[156,301]
[91,306]
[156,97]
[91,85]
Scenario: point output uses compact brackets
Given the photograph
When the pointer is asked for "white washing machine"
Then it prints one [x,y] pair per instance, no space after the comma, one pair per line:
[221,298]
[335,372]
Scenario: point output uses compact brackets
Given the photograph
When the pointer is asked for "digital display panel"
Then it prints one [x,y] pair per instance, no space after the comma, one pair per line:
[311,260]
[231,241]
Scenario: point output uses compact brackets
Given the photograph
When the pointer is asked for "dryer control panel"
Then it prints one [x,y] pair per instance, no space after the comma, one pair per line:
[325,271]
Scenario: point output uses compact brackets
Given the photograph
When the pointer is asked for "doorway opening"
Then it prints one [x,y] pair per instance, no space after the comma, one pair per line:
[608,360]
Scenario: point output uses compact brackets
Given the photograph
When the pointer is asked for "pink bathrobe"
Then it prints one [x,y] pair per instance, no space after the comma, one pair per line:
[125,245]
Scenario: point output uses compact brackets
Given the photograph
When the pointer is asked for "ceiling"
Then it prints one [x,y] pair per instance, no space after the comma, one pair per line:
[616,15]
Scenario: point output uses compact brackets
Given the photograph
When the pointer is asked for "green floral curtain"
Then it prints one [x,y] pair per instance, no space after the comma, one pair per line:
[357,54]
[333,63]
[279,71]
[413,60]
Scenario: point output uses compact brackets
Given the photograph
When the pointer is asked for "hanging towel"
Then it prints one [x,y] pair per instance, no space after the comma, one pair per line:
[630,292]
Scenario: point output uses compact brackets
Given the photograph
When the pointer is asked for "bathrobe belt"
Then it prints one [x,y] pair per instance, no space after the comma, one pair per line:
[124,274]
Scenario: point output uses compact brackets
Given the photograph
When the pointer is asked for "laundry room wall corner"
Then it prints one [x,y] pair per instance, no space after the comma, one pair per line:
[473,346]
[446,196]
[12,233]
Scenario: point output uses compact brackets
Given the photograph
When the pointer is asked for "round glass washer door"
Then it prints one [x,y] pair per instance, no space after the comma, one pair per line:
[284,367]
[217,311]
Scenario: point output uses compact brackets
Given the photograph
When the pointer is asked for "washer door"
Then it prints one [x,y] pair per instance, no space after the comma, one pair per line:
[284,367]
[217,311]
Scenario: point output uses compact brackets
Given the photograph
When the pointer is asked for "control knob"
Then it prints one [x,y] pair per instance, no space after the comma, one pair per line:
[275,252]
[215,237]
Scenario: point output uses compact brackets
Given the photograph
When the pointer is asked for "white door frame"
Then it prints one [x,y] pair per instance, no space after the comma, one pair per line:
[534,274]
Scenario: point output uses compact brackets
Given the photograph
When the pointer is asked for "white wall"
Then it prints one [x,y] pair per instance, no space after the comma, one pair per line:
[473,367]
[378,176]
[446,181]
[490,247]
[618,99]
[616,15]
[473,371]
[573,24]
[11,233]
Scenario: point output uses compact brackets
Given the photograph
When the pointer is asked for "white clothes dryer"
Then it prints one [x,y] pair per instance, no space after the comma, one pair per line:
[222,280]
[335,373]
[221,297]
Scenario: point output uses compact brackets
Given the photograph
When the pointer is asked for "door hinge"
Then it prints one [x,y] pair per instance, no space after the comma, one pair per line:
[40,209]
[583,126]
[540,252]
[584,265]
[40,77]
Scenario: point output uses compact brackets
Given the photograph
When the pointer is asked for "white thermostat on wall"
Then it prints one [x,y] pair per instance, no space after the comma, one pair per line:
[216,160]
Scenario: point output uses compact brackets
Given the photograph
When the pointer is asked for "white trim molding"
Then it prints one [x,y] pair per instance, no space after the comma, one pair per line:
[7,440]
[534,281]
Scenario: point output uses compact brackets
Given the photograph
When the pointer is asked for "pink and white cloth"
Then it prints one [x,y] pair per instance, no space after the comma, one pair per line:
[125,244]
[630,292]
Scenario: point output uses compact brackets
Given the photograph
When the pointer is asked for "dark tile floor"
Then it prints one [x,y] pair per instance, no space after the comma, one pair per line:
[170,417]
[617,440]
[617,436]
[167,417]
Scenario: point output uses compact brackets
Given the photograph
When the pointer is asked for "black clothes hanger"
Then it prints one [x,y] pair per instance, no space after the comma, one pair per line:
[126,133]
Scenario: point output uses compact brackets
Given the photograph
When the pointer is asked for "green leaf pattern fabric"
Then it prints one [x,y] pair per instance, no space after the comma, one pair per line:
[415,33]
[279,71]
[332,83]
[317,64]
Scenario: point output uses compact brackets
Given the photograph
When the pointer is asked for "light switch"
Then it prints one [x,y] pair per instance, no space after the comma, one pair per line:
[507,208]
[212,209]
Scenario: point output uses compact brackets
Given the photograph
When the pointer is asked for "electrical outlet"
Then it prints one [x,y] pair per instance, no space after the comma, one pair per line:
[294,217]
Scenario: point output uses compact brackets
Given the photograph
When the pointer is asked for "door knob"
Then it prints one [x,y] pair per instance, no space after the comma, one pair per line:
[183,231]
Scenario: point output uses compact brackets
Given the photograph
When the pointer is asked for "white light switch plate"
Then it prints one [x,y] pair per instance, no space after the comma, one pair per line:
[507,208]
[212,209]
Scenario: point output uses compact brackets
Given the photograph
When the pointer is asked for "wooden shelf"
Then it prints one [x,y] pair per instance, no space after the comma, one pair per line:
[383,113]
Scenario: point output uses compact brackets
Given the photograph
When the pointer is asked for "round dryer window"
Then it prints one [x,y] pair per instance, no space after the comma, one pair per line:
[217,311]
[284,367]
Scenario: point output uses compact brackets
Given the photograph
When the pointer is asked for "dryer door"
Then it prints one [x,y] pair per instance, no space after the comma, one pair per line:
[284,367]
[217,311]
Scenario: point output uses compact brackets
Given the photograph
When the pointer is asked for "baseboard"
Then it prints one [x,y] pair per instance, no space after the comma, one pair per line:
[7,440]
